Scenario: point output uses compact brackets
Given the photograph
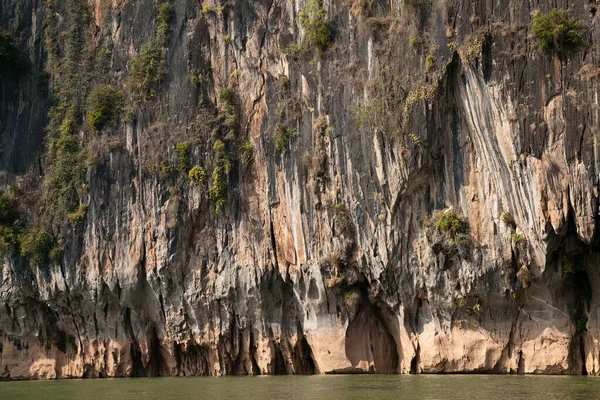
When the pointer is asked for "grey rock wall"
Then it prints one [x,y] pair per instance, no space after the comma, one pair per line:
[325,257]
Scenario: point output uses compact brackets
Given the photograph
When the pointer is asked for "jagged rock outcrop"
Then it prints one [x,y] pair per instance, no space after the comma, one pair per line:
[328,254]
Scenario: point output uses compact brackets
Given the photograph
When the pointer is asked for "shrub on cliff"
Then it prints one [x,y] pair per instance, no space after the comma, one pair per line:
[56,255]
[218,190]
[246,152]
[104,105]
[283,136]
[197,175]
[78,215]
[450,224]
[10,225]
[228,116]
[36,245]
[450,235]
[183,156]
[558,32]
[149,68]
[318,31]
[147,71]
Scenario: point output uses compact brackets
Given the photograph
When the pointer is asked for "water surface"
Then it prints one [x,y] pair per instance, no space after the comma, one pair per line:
[327,387]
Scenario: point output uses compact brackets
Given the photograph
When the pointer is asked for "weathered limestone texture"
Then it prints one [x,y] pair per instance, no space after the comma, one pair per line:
[327,255]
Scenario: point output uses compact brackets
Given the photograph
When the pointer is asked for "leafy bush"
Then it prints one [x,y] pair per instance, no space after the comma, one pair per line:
[295,50]
[449,223]
[9,214]
[218,190]
[247,152]
[197,175]
[451,235]
[557,31]
[66,180]
[206,9]
[227,95]
[166,169]
[147,71]
[315,165]
[525,276]
[10,225]
[165,13]
[518,238]
[56,255]
[222,156]
[429,63]
[148,68]
[472,47]
[78,215]
[318,31]
[104,105]
[227,119]
[321,126]
[283,135]
[196,77]
[36,245]
[183,156]
[218,147]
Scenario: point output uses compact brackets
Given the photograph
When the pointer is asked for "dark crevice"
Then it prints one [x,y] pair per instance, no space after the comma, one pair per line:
[303,358]
[137,367]
[191,359]
[414,363]
[156,363]
[582,354]
[273,241]
[253,354]
[487,60]
[278,362]
[521,368]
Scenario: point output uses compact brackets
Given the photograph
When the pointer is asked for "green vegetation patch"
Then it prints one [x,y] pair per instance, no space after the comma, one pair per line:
[558,32]
[317,28]
[71,69]
[198,175]
[78,215]
[518,238]
[36,245]
[65,182]
[449,223]
[227,119]
[10,225]
[105,104]
[218,189]
[246,152]
[148,69]
[451,235]
[183,156]
[283,136]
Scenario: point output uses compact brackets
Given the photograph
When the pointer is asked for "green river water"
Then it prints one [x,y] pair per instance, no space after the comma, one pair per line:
[328,387]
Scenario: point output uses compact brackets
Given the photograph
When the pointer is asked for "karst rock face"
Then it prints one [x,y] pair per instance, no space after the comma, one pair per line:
[413,191]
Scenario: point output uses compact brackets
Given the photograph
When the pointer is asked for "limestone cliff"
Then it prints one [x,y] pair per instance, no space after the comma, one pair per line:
[410,187]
